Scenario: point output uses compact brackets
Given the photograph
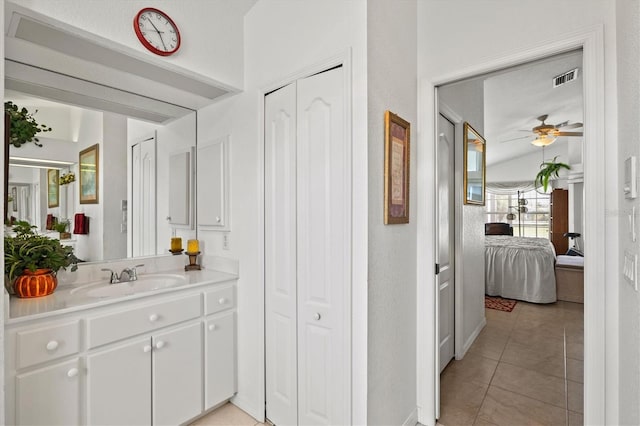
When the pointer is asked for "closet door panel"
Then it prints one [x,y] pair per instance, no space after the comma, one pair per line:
[324,252]
[280,256]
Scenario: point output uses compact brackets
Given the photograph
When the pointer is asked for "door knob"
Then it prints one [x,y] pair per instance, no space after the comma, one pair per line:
[222,300]
[212,327]
[147,348]
[72,373]
[153,317]
[52,345]
[317,316]
[160,345]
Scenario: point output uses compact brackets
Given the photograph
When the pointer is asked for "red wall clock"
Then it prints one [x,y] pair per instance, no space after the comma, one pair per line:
[157,31]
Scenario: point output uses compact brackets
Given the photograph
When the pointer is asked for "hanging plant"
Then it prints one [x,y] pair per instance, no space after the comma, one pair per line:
[24,127]
[67,178]
[548,170]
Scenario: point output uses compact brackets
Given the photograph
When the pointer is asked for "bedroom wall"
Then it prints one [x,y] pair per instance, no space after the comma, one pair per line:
[628,37]
[526,167]
[467,100]
[453,36]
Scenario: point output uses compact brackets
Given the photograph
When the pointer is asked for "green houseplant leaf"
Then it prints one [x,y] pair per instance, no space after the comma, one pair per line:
[548,170]
[24,127]
[28,250]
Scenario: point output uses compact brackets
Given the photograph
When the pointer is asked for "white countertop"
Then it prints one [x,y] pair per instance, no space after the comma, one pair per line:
[67,298]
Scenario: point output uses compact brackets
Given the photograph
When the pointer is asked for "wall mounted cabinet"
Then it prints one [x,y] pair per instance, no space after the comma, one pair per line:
[181,183]
[213,187]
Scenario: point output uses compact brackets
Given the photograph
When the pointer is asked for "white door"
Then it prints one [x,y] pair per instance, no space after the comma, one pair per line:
[280,257]
[444,213]
[143,203]
[308,252]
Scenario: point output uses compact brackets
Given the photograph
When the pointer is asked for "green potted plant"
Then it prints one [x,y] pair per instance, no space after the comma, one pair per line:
[24,127]
[61,227]
[548,170]
[31,261]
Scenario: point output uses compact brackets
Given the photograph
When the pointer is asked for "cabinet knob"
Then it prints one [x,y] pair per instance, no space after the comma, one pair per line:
[146,348]
[168,217]
[212,327]
[72,373]
[317,316]
[218,219]
[222,300]
[160,345]
[153,317]
[52,345]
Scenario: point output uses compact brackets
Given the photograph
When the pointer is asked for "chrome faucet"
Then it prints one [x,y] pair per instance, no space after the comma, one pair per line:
[127,275]
[130,274]
[113,279]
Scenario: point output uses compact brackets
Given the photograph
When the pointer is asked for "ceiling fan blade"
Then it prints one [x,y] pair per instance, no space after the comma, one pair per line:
[569,126]
[515,139]
[567,134]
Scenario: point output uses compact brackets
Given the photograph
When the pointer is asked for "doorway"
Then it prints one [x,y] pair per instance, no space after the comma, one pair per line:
[594,336]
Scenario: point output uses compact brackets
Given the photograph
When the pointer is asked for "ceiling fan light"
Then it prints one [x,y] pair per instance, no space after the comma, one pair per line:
[543,140]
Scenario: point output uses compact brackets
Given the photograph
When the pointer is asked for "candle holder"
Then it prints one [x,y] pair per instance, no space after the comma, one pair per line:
[174,252]
[193,257]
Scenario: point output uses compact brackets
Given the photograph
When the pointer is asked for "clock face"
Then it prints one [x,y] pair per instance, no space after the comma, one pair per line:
[157,31]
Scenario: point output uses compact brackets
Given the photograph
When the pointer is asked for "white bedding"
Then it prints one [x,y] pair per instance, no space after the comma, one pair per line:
[520,268]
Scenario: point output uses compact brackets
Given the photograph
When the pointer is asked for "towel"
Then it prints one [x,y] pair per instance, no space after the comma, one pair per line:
[81,224]
[50,222]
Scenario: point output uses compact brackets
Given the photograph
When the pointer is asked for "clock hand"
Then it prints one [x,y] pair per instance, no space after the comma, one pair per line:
[159,34]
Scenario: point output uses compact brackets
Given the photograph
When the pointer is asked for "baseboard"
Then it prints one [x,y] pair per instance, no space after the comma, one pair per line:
[257,412]
[472,338]
[412,420]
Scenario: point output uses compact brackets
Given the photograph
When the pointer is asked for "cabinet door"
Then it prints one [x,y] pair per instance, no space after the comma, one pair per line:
[119,385]
[220,359]
[177,375]
[213,194]
[49,396]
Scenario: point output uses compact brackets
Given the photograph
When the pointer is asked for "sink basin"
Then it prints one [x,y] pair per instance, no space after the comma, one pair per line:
[143,284]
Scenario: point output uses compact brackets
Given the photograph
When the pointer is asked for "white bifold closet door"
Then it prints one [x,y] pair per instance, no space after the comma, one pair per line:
[308,252]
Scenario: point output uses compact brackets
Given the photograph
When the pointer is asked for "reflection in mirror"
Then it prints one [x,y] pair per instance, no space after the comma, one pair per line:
[474,166]
[111,228]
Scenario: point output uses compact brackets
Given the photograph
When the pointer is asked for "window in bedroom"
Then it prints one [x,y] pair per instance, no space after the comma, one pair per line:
[533,223]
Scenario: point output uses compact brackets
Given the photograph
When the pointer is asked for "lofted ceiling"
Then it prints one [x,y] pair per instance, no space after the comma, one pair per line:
[513,98]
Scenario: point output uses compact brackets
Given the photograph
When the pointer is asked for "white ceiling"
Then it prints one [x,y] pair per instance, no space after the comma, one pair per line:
[513,99]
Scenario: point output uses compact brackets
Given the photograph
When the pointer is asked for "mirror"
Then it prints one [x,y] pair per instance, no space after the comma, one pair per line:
[123,194]
[474,166]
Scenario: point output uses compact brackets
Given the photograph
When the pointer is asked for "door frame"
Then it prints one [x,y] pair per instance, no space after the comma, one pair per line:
[355,315]
[591,41]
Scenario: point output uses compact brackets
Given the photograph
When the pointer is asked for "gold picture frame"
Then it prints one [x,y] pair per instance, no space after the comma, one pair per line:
[53,188]
[475,157]
[397,155]
[89,170]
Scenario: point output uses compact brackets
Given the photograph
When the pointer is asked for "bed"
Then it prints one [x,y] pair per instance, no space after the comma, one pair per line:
[520,268]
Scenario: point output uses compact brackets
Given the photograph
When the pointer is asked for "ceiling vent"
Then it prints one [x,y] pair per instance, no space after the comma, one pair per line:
[565,77]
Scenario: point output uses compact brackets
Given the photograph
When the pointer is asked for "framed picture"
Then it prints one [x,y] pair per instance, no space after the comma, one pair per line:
[53,189]
[89,175]
[14,196]
[396,169]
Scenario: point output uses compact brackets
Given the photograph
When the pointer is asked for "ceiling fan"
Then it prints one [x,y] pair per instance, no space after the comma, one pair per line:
[546,134]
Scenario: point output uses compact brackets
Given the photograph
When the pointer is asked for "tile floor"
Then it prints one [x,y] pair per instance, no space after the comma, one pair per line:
[514,373]
[227,415]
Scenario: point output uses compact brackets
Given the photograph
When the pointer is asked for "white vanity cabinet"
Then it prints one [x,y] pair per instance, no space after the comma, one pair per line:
[160,360]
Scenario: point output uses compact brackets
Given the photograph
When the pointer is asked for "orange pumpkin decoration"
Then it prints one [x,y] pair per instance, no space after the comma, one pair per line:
[38,283]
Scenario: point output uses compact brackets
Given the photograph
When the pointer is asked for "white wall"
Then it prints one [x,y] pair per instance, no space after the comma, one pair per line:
[466,99]
[450,40]
[628,39]
[113,156]
[90,246]
[392,85]
[283,37]
[212,48]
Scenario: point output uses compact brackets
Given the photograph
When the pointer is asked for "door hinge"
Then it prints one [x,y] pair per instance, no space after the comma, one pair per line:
[437,268]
